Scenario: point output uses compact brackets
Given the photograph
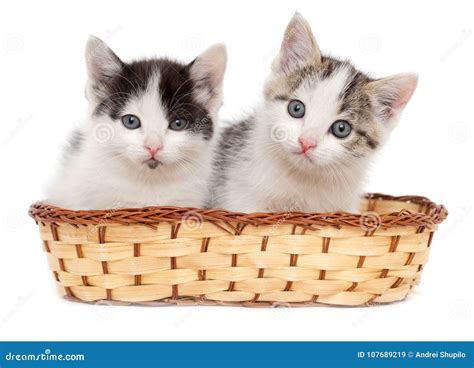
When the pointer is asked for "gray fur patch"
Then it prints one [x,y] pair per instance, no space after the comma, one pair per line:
[75,142]
[231,148]
[355,101]
[176,87]
[74,145]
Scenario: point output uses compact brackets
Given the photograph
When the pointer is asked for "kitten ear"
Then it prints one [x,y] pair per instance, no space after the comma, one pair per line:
[207,71]
[102,65]
[298,48]
[391,95]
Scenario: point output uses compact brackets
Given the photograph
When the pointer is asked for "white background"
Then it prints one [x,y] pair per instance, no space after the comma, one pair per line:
[41,95]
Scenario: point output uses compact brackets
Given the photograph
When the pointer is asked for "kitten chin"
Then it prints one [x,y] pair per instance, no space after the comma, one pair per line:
[309,145]
[149,133]
[153,164]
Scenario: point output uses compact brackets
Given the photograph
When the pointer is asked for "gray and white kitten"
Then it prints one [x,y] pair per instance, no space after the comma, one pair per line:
[148,138]
[309,145]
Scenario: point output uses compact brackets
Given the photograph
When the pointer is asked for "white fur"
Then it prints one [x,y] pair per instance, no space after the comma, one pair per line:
[271,175]
[109,169]
[109,173]
[277,178]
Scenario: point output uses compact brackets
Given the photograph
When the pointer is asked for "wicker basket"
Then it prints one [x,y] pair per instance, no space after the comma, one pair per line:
[176,255]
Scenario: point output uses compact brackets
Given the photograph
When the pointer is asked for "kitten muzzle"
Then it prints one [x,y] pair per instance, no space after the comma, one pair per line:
[152,163]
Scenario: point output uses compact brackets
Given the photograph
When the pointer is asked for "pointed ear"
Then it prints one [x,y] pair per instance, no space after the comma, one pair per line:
[298,48]
[391,95]
[102,65]
[207,71]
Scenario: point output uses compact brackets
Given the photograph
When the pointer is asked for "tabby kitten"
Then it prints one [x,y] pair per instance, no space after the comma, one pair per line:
[149,135]
[309,145]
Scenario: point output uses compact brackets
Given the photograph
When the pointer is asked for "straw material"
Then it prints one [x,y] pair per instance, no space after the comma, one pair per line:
[158,255]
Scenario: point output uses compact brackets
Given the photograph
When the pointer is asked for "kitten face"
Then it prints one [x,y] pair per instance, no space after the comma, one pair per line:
[323,112]
[153,113]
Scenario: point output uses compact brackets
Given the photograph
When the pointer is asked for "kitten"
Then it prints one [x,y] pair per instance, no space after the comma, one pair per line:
[309,145]
[149,135]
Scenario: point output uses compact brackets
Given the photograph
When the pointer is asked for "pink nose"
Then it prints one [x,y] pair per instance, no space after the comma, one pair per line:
[152,149]
[306,145]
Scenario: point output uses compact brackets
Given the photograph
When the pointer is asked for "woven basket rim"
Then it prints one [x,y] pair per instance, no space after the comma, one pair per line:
[429,214]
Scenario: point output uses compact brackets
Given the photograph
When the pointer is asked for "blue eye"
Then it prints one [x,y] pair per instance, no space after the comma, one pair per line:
[296,109]
[131,122]
[341,128]
[178,124]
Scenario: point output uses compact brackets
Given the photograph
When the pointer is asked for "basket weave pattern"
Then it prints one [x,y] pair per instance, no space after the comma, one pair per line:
[176,255]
